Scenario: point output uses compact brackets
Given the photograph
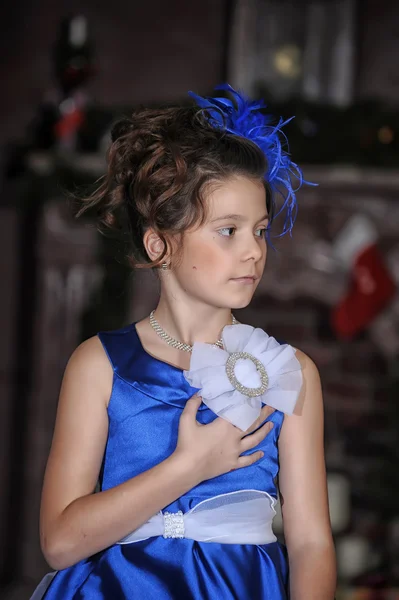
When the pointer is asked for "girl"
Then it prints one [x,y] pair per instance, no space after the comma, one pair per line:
[186,417]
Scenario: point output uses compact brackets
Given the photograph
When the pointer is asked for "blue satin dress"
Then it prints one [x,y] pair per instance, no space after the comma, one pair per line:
[147,400]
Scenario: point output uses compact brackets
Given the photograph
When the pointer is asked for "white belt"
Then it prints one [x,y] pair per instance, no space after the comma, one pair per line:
[242,517]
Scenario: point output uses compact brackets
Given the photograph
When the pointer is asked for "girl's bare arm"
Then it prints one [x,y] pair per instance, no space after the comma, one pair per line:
[303,490]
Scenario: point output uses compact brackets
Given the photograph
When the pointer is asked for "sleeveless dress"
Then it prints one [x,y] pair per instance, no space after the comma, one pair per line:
[147,400]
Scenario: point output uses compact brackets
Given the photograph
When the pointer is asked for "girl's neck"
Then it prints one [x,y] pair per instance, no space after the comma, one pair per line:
[191,322]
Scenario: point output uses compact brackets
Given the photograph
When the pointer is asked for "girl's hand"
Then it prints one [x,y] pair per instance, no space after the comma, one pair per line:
[216,448]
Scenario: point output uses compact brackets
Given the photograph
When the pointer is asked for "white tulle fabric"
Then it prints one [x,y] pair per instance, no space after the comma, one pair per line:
[241,517]
[208,373]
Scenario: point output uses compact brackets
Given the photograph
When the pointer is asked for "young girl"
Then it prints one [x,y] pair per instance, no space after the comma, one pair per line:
[187,417]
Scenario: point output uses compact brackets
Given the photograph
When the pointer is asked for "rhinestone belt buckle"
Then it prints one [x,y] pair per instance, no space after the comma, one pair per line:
[173,524]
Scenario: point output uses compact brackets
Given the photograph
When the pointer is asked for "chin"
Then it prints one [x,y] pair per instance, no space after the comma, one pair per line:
[233,300]
[240,303]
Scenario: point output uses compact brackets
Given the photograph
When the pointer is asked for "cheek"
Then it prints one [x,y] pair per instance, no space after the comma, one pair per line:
[204,257]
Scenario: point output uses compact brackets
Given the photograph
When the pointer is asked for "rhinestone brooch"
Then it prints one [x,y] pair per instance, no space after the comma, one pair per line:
[232,388]
[173,524]
[247,391]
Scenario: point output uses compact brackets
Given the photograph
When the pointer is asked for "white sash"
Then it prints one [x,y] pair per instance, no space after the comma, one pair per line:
[241,517]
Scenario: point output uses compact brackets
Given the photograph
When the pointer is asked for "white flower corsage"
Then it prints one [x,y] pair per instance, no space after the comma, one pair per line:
[252,369]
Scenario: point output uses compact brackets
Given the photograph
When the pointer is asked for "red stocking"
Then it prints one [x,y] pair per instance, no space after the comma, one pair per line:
[371,285]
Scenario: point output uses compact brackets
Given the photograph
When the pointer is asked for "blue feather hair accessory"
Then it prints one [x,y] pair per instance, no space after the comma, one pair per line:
[244,117]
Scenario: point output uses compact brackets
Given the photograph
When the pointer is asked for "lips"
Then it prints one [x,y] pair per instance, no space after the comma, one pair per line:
[246,278]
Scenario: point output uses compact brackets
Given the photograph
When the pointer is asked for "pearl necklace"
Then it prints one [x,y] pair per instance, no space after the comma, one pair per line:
[175,343]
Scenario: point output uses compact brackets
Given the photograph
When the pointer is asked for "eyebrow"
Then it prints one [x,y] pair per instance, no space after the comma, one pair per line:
[237,218]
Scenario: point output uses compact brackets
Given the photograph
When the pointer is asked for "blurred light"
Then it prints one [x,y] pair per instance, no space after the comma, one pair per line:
[78,31]
[287,61]
[385,135]
[339,501]
[353,556]
[67,106]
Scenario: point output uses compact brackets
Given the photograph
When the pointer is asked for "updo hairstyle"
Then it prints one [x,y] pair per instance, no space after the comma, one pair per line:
[160,163]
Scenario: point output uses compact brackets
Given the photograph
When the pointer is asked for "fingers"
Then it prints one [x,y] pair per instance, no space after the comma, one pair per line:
[265,412]
[249,459]
[192,406]
[250,442]
[256,438]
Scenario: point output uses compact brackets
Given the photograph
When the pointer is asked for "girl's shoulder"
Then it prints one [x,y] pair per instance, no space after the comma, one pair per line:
[90,353]
[90,363]
[310,395]
[96,352]
[308,366]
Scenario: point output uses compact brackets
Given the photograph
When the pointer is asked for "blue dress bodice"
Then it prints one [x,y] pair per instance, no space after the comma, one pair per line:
[146,403]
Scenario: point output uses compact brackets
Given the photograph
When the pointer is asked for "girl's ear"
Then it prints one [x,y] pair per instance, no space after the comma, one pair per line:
[153,244]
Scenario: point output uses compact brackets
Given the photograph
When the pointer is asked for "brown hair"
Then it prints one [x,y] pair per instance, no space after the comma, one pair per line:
[159,164]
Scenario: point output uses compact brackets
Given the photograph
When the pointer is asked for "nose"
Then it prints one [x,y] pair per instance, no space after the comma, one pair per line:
[254,249]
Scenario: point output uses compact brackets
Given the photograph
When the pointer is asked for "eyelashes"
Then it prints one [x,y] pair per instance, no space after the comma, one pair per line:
[229,232]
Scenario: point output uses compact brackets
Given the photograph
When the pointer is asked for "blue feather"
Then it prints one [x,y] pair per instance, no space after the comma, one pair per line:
[244,117]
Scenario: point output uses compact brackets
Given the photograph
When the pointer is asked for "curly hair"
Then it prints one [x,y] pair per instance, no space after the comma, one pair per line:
[160,163]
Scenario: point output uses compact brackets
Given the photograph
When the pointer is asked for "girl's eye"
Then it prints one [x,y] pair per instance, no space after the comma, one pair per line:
[261,232]
[227,231]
